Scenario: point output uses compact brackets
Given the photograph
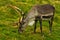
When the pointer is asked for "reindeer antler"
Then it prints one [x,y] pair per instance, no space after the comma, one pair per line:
[18,11]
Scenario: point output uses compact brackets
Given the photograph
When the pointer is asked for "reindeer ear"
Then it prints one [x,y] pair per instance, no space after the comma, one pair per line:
[24,16]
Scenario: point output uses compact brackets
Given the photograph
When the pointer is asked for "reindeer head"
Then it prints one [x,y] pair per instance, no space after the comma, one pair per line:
[22,22]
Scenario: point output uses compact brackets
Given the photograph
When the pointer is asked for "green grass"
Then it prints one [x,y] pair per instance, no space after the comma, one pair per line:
[8,16]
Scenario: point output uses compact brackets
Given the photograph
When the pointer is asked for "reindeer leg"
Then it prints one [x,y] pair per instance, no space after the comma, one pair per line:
[35,25]
[40,20]
[50,24]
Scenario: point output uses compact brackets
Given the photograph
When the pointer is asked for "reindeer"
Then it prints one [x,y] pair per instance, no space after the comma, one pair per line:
[37,13]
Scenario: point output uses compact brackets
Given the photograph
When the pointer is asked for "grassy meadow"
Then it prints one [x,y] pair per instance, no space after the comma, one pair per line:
[8,17]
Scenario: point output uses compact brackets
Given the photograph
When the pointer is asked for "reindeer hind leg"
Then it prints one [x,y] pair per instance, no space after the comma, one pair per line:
[40,20]
[50,24]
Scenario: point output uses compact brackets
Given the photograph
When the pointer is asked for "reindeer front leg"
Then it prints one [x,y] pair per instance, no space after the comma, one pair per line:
[35,25]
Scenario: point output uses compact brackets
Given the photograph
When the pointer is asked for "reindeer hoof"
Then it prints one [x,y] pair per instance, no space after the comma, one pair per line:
[43,36]
[49,33]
